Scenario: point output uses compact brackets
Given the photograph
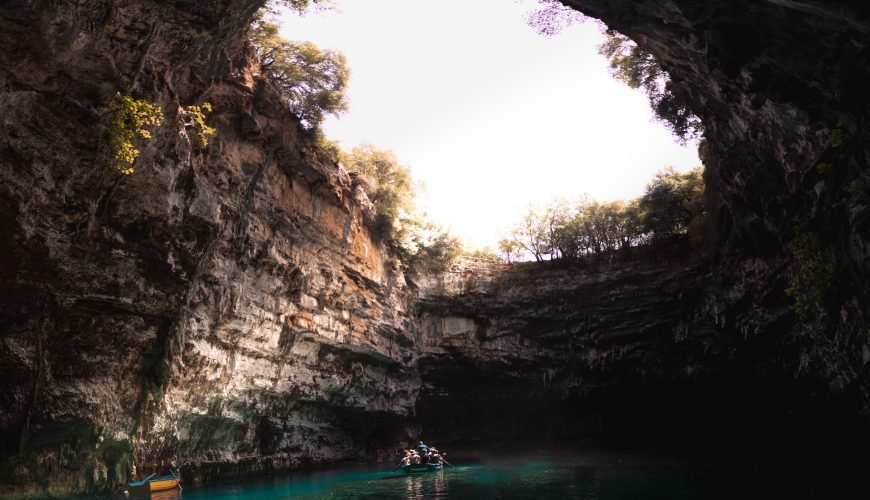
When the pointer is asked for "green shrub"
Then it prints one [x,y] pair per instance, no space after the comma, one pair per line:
[129,121]
[671,203]
[196,116]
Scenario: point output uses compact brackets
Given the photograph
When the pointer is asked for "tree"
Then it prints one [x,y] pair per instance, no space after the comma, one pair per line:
[631,228]
[509,249]
[592,227]
[483,254]
[390,186]
[672,205]
[552,17]
[534,234]
[311,80]
[563,234]
[672,201]
[638,69]
[302,6]
[429,247]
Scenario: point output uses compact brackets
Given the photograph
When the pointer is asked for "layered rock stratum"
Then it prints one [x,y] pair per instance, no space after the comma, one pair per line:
[225,301]
[226,309]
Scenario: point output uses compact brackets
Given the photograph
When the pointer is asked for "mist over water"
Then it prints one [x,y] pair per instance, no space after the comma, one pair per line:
[548,475]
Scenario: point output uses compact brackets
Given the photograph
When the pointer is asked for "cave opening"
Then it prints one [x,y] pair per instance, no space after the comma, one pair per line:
[762,226]
[191,280]
[537,102]
[508,107]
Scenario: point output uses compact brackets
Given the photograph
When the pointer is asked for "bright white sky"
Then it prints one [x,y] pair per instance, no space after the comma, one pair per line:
[487,113]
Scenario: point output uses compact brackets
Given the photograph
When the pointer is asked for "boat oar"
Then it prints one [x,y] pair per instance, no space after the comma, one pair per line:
[448,463]
[394,470]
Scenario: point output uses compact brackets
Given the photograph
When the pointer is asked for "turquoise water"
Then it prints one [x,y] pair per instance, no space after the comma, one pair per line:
[545,479]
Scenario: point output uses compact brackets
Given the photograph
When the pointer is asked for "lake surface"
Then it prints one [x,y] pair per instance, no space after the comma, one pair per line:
[556,478]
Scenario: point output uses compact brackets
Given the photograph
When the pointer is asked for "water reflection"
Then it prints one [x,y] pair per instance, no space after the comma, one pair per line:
[426,486]
[173,494]
[535,480]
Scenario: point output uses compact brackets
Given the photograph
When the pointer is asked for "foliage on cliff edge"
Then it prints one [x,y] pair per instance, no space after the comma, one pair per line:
[417,242]
[311,80]
[672,206]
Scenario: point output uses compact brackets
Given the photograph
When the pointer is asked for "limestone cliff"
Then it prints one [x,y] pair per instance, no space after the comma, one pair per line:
[226,308]
[222,306]
[780,87]
[773,335]
[656,349]
[522,345]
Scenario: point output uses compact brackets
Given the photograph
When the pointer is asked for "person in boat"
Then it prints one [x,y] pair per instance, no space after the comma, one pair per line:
[415,457]
[406,460]
[434,456]
[422,449]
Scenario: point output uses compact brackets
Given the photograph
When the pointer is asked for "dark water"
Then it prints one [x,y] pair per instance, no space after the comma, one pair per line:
[557,478]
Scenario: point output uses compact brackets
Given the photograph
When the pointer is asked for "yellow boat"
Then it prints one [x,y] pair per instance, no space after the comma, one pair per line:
[152,484]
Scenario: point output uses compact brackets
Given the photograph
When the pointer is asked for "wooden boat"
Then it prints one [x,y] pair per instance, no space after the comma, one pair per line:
[413,468]
[152,484]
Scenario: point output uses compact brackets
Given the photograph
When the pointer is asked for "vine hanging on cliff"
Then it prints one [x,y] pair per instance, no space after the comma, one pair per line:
[129,121]
[195,121]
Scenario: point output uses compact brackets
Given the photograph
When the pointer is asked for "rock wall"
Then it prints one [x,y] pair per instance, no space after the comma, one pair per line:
[519,347]
[226,309]
[222,308]
[771,338]
[659,349]
[525,348]
[779,86]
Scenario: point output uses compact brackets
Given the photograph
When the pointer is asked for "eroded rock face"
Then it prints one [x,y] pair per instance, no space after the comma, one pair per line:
[657,350]
[222,307]
[779,85]
[769,337]
[520,346]
[225,308]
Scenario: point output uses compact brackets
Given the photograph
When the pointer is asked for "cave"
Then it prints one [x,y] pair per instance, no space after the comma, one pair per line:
[227,311]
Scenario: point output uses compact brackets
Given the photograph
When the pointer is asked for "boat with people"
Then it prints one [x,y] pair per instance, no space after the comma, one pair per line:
[422,459]
[427,467]
[152,484]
